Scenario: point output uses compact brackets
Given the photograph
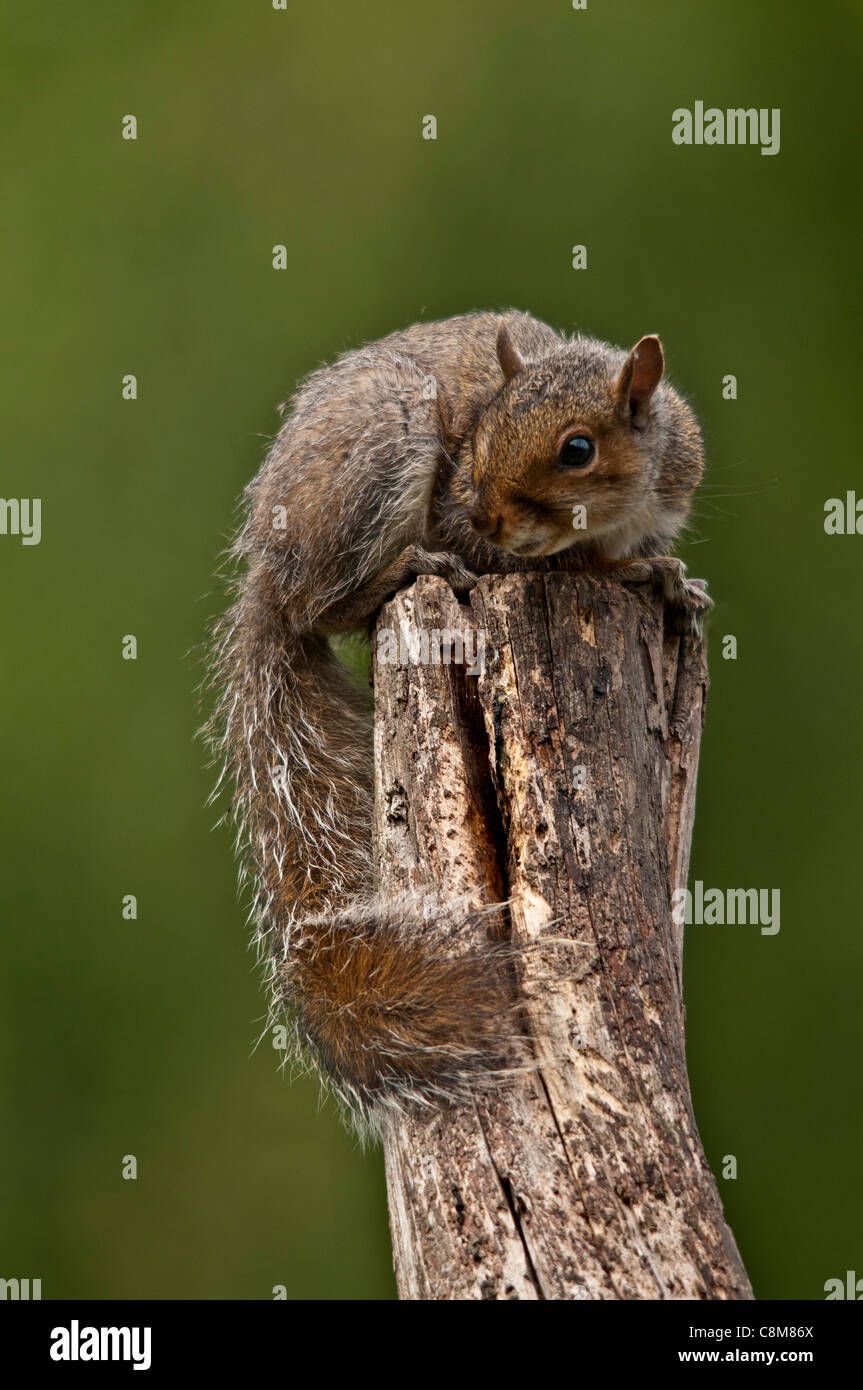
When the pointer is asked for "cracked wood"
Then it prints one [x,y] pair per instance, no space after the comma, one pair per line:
[561,779]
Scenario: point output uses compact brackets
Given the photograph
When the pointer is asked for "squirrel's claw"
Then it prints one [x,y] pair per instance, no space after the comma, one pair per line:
[687,599]
[447,566]
[686,613]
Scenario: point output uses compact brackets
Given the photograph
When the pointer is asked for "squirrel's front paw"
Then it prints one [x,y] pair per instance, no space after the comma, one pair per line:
[687,599]
[447,566]
[685,615]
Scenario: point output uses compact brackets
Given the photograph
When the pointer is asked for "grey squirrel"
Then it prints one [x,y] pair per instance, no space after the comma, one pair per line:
[456,448]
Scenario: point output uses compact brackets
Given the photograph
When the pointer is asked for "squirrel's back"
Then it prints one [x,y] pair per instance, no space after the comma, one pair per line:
[461,354]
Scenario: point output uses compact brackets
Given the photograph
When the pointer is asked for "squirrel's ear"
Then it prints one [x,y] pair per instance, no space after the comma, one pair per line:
[639,377]
[508,355]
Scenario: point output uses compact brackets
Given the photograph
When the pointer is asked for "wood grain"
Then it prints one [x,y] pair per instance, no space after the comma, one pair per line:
[560,779]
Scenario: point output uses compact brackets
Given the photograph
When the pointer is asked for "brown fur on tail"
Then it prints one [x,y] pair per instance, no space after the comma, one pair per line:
[381,993]
[392,1007]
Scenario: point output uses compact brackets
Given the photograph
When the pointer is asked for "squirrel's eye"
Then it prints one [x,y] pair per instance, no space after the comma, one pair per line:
[577,452]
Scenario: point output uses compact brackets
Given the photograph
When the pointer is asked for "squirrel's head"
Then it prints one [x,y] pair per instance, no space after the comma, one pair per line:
[587,444]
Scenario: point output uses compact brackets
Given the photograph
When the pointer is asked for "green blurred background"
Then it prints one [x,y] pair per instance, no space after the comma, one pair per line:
[303,127]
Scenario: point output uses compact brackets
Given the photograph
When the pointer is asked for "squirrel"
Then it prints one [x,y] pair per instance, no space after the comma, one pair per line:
[457,448]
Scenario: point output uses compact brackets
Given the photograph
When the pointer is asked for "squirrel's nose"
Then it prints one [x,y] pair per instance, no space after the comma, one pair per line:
[484,523]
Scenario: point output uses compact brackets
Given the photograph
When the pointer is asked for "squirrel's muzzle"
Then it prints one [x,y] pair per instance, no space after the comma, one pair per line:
[486,524]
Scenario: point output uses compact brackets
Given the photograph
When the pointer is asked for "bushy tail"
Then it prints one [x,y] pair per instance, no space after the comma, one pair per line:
[293,732]
[379,991]
[394,1006]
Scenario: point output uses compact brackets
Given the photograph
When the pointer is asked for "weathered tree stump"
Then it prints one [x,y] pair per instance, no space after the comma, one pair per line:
[561,779]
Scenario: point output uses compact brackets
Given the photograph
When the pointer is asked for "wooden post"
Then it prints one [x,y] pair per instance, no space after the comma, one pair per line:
[562,779]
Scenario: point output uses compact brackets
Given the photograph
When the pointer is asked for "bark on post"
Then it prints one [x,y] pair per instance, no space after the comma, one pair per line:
[561,778]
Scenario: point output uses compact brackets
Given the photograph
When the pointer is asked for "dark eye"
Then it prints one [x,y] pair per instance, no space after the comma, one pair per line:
[577,452]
